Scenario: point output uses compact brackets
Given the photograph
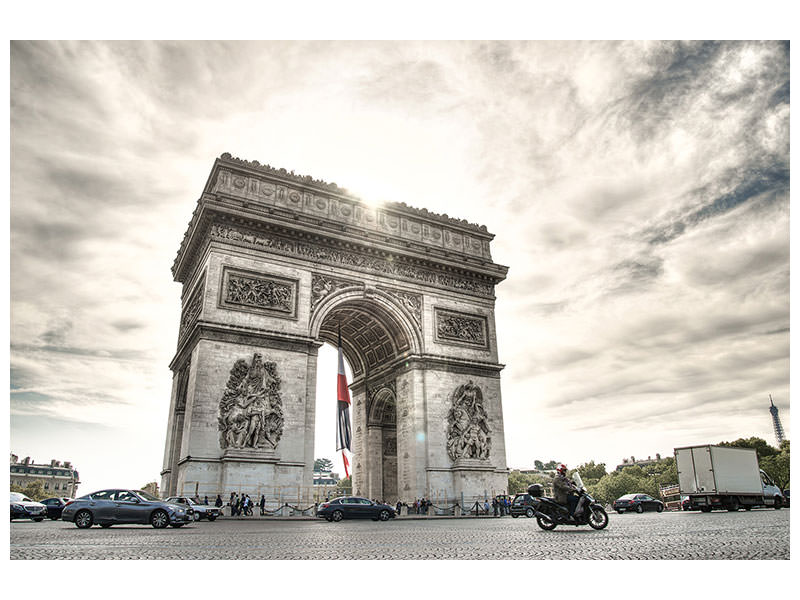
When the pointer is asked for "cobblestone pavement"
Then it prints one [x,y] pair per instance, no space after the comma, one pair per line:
[758,534]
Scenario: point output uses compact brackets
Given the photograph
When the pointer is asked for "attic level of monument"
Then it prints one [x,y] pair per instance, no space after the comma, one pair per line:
[263,199]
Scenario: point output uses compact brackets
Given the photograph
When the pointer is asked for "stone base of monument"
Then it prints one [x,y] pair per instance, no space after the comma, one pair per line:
[472,464]
[247,470]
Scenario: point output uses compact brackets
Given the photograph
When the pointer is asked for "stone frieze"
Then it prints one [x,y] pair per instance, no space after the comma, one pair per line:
[355,260]
[323,285]
[461,328]
[259,292]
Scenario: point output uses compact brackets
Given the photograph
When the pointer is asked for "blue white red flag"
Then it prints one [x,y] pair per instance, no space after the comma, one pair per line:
[343,432]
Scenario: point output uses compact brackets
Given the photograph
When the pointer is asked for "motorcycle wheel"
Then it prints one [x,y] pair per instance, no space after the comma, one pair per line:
[545,523]
[598,519]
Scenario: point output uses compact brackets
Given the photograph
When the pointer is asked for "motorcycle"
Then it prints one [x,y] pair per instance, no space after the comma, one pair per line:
[550,514]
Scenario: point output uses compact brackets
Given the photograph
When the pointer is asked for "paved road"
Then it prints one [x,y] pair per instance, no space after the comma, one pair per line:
[758,534]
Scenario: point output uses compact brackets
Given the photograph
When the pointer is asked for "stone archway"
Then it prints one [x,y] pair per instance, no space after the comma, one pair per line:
[272,265]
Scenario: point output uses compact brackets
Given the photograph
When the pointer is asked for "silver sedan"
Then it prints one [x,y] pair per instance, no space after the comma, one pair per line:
[118,507]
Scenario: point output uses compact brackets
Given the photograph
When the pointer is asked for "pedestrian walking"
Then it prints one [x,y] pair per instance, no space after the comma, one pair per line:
[218,503]
[262,504]
[205,500]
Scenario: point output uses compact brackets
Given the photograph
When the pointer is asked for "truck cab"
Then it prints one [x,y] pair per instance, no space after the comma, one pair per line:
[771,490]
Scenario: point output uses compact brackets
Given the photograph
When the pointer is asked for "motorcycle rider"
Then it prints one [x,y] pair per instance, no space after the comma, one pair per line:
[564,491]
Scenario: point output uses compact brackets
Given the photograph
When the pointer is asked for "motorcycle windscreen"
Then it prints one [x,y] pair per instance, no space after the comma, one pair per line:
[576,477]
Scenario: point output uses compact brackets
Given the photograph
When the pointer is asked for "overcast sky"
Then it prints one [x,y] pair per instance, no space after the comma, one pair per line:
[639,193]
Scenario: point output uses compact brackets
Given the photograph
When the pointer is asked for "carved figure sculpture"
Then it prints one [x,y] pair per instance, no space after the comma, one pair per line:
[468,424]
[251,409]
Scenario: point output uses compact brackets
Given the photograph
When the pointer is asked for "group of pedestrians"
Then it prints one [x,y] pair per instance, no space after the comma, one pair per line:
[501,506]
[242,505]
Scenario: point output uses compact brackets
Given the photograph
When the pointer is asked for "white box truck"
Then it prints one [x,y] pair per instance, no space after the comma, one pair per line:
[722,477]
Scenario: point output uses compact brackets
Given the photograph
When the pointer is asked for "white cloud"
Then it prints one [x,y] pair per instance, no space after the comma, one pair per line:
[639,193]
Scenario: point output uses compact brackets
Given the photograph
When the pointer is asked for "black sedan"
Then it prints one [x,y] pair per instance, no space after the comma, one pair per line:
[117,507]
[201,511]
[55,506]
[23,507]
[638,503]
[354,508]
[523,504]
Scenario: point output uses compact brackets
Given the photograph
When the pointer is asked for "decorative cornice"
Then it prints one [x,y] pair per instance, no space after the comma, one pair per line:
[309,181]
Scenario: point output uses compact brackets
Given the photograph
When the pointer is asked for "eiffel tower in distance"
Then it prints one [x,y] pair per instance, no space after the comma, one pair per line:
[776,421]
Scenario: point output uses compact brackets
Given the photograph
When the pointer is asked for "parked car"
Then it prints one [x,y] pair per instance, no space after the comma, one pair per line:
[638,503]
[201,511]
[522,505]
[23,507]
[55,506]
[350,507]
[117,507]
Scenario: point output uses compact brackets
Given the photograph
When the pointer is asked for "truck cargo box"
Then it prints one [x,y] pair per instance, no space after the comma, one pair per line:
[718,470]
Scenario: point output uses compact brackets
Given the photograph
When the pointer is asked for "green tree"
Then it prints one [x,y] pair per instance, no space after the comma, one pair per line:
[33,490]
[591,473]
[762,448]
[539,465]
[518,482]
[777,466]
[322,464]
[344,487]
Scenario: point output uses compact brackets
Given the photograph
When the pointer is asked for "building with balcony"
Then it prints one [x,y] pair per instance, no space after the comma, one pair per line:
[59,479]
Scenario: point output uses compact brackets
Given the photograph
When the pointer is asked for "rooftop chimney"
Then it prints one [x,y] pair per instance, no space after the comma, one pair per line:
[26,460]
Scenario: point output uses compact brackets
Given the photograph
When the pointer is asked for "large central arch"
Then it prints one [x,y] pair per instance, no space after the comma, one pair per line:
[272,266]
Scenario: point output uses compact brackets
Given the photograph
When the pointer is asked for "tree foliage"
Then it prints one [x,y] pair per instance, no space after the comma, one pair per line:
[323,464]
[344,486]
[34,490]
[518,482]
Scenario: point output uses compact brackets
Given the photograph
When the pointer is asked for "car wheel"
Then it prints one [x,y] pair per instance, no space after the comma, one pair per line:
[545,523]
[598,519]
[196,516]
[54,518]
[83,519]
[778,503]
[529,513]
[211,517]
[705,509]
[639,509]
[659,508]
[748,507]
[39,519]
[337,515]
[619,511]
[329,519]
[105,525]
[384,516]
[514,515]
[733,506]
[159,519]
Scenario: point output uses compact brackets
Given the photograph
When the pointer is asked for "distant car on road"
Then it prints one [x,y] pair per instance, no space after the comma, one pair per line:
[351,507]
[522,505]
[117,507]
[638,503]
[55,506]
[23,507]
[201,511]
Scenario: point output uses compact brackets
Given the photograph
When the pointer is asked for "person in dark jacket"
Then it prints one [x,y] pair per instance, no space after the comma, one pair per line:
[262,504]
[218,503]
[564,491]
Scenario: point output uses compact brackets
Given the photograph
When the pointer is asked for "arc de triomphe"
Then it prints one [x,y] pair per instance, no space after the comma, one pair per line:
[271,265]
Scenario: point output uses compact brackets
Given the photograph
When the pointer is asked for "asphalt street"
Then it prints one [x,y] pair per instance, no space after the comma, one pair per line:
[758,534]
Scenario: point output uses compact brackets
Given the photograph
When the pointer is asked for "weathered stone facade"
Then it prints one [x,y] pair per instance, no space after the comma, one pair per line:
[271,265]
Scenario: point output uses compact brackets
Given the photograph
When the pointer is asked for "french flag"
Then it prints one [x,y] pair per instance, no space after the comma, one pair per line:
[343,432]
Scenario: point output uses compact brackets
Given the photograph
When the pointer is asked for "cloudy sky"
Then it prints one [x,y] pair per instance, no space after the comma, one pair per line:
[639,193]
